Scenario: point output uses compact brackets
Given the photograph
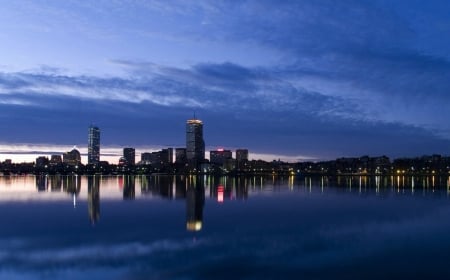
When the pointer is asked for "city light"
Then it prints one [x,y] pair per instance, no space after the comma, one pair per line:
[220,193]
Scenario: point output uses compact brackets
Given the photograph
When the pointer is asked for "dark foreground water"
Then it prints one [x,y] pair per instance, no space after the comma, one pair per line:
[59,227]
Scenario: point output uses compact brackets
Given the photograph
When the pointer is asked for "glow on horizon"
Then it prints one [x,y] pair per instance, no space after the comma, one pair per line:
[26,152]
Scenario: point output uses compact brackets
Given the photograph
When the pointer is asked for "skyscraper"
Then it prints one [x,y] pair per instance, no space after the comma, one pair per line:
[195,145]
[130,155]
[94,145]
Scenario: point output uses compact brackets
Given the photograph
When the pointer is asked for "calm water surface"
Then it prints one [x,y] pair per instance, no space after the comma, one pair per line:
[164,227]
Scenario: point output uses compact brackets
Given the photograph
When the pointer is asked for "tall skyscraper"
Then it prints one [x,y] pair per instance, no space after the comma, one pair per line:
[195,145]
[94,145]
[130,155]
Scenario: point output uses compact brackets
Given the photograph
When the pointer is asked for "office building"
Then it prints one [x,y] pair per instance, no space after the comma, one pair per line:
[180,155]
[72,158]
[146,158]
[195,145]
[166,156]
[55,160]
[129,155]
[241,155]
[94,145]
[42,162]
[242,159]
[170,154]
[219,156]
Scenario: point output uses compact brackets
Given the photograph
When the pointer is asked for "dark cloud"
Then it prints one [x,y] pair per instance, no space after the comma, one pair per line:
[235,101]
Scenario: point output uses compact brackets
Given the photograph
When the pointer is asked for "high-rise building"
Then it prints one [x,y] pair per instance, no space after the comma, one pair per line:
[146,158]
[241,159]
[219,156]
[180,155]
[241,154]
[167,156]
[170,154]
[130,155]
[195,145]
[94,145]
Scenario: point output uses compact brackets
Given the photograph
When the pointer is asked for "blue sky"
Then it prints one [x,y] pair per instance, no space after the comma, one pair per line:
[293,79]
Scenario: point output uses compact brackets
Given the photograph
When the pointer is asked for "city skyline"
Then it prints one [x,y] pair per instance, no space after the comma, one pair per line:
[293,80]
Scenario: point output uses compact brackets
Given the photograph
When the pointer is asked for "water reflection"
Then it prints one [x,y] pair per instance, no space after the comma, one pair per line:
[41,183]
[195,189]
[129,187]
[93,198]
[195,201]
[56,183]
[318,226]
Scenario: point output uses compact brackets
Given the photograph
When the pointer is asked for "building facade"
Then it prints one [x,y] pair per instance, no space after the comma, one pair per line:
[130,155]
[241,154]
[72,158]
[94,145]
[219,156]
[180,155]
[195,145]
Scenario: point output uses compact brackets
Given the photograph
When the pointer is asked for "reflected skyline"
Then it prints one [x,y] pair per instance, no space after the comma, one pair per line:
[94,198]
[129,187]
[234,188]
[273,221]
[195,190]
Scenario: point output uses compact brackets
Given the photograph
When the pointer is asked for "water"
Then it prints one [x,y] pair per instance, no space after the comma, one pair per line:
[163,227]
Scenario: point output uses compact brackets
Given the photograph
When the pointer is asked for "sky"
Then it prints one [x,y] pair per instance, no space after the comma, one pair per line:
[295,80]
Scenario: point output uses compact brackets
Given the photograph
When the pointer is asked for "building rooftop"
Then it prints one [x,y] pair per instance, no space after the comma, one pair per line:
[194,121]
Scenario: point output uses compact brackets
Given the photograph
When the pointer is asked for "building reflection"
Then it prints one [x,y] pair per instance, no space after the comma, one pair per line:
[72,185]
[93,198]
[41,183]
[223,189]
[195,201]
[172,187]
[129,187]
[55,183]
[226,188]
[242,184]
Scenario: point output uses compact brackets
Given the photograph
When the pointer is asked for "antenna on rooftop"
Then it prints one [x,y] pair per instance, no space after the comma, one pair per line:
[194,115]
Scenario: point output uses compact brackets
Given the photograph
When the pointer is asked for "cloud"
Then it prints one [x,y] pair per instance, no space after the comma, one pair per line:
[89,256]
[340,69]
[253,100]
[82,87]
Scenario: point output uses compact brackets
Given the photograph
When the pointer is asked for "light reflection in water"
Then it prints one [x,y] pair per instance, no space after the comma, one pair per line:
[193,189]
